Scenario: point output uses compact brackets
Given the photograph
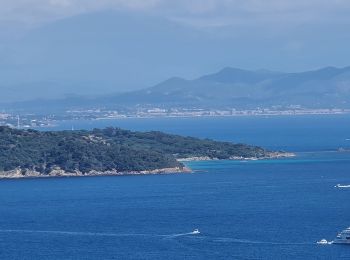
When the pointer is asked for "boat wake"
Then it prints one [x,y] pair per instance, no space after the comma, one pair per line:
[178,235]
[73,233]
[253,242]
[194,232]
[170,236]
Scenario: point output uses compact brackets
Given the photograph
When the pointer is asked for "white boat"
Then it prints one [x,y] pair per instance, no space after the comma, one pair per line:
[195,232]
[342,186]
[322,242]
[343,237]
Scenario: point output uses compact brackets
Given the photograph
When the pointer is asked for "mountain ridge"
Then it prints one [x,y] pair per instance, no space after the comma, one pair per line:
[327,87]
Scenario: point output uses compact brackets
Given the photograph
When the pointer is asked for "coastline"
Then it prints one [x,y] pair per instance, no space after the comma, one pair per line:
[22,174]
[272,155]
[277,113]
[56,122]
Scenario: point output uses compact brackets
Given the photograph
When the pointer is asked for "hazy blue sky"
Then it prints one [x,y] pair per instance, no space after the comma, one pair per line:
[76,44]
[202,13]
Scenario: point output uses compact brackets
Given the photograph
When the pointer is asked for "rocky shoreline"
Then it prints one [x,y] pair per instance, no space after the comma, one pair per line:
[24,173]
[271,155]
[57,172]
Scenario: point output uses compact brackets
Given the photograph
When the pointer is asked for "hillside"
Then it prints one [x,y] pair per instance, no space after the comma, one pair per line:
[110,150]
[235,88]
[229,88]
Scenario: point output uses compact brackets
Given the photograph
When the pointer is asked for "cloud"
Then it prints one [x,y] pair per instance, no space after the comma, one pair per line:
[261,12]
[39,11]
[193,12]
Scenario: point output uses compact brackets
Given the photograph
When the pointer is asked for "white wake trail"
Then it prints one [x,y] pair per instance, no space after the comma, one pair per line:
[77,233]
[73,233]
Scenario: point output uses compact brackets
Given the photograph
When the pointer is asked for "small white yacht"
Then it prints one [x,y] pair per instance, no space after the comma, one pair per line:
[342,186]
[195,232]
[343,237]
[322,242]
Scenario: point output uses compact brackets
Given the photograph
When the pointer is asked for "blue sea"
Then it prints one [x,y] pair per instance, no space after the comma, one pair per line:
[273,209]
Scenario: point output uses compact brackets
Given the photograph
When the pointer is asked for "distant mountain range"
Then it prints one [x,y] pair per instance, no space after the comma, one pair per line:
[229,88]
[100,53]
[236,88]
[116,51]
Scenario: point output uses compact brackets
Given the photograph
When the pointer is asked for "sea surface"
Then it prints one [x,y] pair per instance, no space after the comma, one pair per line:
[273,209]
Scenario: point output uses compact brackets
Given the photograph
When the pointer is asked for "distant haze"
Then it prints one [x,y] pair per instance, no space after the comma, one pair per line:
[229,88]
[53,49]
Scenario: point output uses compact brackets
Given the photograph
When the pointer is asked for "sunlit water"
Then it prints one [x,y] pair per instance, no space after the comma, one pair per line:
[271,209]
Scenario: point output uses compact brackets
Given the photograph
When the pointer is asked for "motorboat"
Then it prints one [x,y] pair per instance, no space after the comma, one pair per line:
[342,186]
[195,232]
[322,242]
[343,237]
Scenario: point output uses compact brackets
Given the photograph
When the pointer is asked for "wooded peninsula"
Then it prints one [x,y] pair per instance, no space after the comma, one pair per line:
[110,151]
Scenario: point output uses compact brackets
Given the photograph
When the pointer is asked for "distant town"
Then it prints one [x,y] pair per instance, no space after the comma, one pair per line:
[31,120]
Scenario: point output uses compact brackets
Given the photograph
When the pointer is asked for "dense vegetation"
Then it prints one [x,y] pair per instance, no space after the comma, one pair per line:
[107,149]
